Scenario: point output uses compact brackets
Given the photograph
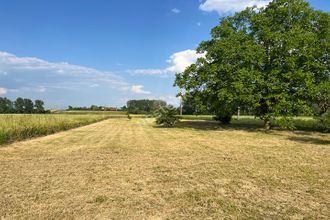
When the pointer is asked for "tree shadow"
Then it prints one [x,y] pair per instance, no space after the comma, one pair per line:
[250,125]
[310,140]
[215,125]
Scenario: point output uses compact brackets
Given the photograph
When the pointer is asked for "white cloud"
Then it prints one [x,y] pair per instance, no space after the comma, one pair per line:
[230,6]
[176,11]
[170,99]
[178,62]
[3,91]
[37,75]
[138,89]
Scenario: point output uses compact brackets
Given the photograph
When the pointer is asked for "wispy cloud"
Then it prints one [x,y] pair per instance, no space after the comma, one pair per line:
[230,6]
[61,84]
[177,62]
[176,11]
[37,75]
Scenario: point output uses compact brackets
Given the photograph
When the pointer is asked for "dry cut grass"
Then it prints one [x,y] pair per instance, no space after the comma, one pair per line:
[120,169]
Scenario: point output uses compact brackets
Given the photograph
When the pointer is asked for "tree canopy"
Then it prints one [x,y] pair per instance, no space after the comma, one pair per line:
[21,105]
[144,106]
[274,60]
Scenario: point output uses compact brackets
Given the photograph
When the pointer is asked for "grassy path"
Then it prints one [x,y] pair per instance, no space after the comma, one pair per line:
[131,170]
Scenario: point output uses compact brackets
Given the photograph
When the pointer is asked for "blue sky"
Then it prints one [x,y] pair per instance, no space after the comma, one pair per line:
[104,52]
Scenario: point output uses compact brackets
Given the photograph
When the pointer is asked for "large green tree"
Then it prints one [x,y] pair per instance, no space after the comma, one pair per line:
[6,106]
[28,106]
[274,60]
[19,105]
[39,106]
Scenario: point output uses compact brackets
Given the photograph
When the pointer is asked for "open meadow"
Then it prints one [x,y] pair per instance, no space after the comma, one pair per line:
[132,169]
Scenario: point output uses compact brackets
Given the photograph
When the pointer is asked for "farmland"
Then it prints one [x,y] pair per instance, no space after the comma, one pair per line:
[19,127]
[132,169]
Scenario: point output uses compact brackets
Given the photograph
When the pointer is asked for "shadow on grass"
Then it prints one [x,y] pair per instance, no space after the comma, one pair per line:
[252,125]
[301,136]
[310,140]
[247,125]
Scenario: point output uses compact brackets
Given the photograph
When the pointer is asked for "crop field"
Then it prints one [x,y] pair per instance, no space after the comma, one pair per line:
[19,127]
[132,169]
[85,112]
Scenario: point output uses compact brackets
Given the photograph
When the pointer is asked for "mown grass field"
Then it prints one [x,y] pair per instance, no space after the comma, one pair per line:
[131,169]
[16,127]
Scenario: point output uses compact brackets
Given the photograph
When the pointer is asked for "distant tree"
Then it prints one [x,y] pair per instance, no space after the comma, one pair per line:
[39,106]
[19,105]
[6,106]
[95,108]
[28,106]
[274,60]
[144,106]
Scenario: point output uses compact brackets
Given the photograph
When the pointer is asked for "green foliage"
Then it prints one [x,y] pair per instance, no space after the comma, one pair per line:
[92,108]
[166,116]
[21,105]
[144,106]
[28,106]
[39,106]
[287,123]
[191,105]
[324,121]
[274,60]
[6,106]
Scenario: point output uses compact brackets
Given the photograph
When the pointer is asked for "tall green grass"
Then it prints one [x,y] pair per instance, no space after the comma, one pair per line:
[20,127]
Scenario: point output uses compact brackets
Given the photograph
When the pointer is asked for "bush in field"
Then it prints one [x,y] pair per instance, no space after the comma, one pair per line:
[166,116]
[324,121]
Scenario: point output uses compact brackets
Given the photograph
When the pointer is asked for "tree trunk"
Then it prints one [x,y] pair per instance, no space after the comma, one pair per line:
[267,124]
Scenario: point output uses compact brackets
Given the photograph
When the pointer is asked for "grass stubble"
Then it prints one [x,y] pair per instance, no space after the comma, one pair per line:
[122,169]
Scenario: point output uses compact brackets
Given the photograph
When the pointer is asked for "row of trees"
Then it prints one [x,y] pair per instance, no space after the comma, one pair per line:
[275,60]
[92,108]
[144,106]
[21,105]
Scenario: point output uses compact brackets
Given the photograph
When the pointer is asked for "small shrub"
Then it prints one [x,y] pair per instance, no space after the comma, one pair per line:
[286,123]
[324,121]
[166,116]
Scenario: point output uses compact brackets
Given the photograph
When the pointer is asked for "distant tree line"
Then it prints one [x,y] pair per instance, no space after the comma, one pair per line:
[144,106]
[93,108]
[21,105]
